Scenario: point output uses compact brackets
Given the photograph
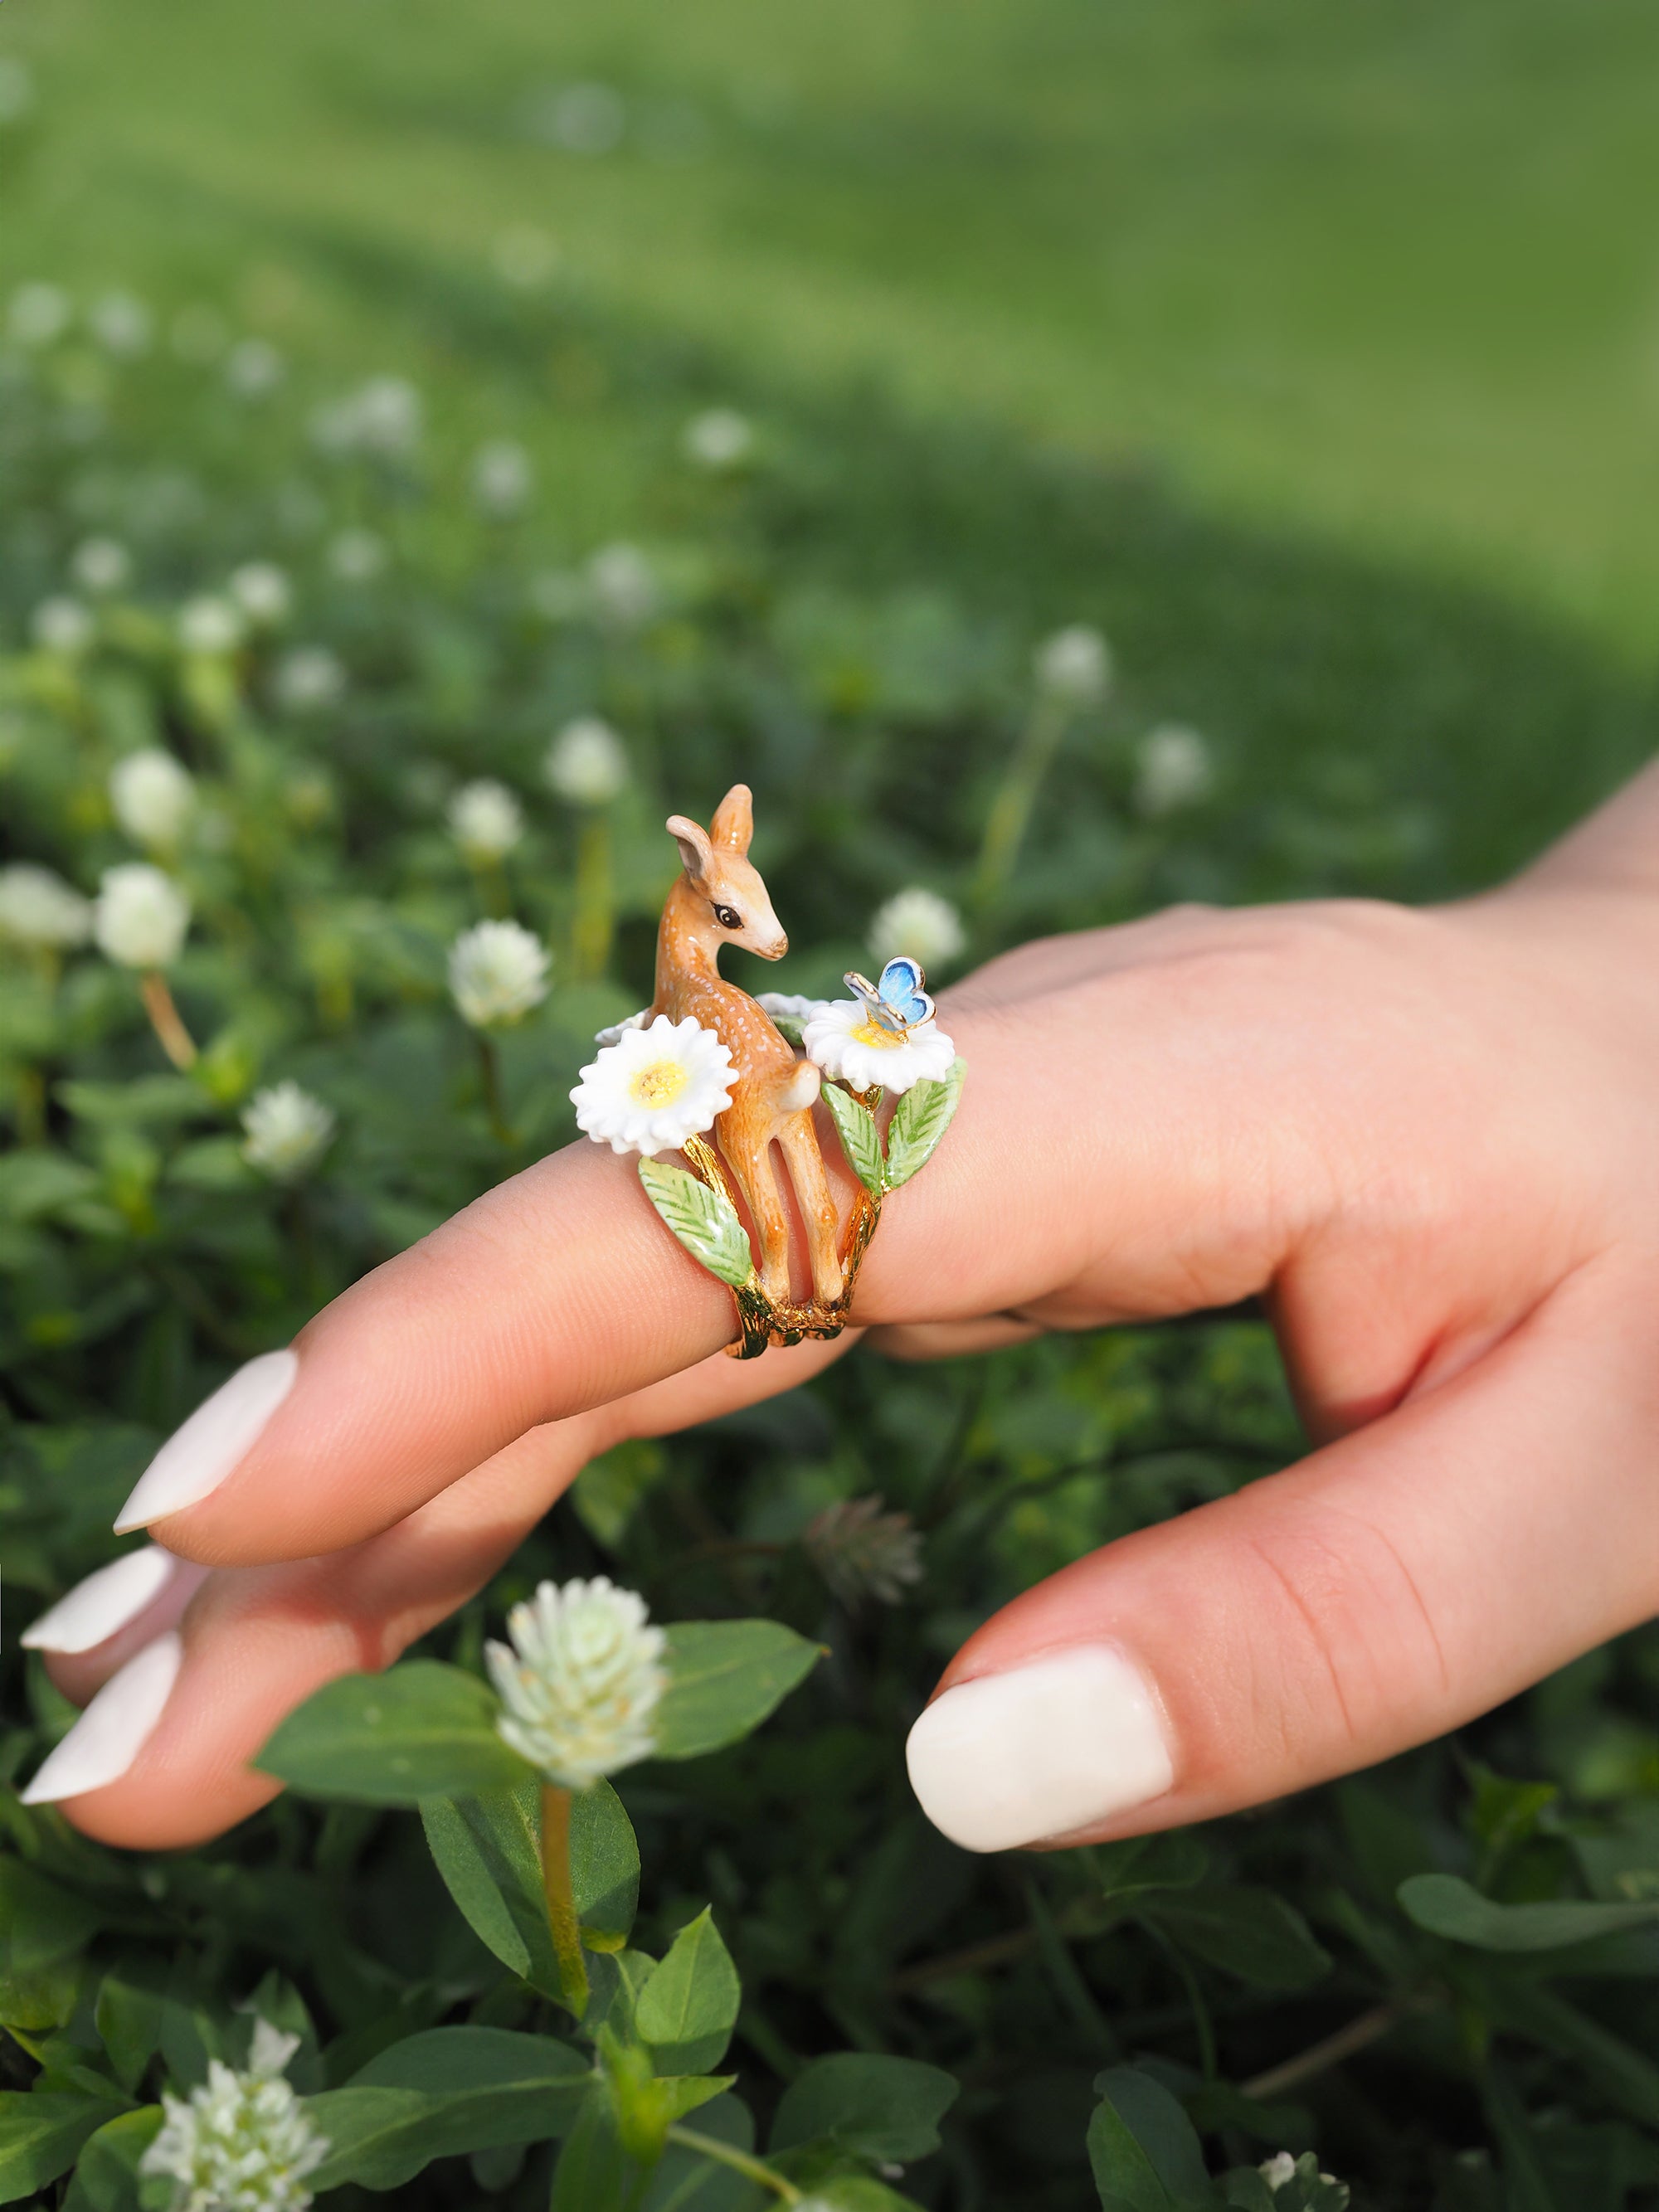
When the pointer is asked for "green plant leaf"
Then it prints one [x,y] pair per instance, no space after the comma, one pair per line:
[884,2109]
[611,1489]
[861,1139]
[1176,1860]
[1445,1905]
[129,2016]
[107,2171]
[689,2006]
[423,1730]
[1143,2149]
[39,2137]
[919,1120]
[40,1923]
[689,2181]
[725,1677]
[1251,1933]
[705,1221]
[594,2174]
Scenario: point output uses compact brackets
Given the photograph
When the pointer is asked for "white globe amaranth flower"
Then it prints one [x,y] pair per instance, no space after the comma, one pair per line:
[1175,770]
[587,762]
[122,325]
[920,923]
[356,557]
[524,256]
[37,314]
[656,1086]
[140,917]
[504,479]
[497,973]
[720,438]
[846,1042]
[1074,665]
[288,1131]
[262,592]
[154,798]
[37,907]
[580,1682]
[485,819]
[254,368]
[240,2142]
[210,626]
[61,624]
[308,679]
[101,565]
[622,586]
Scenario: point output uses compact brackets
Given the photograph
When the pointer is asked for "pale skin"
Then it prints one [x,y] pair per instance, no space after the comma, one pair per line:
[1428,1141]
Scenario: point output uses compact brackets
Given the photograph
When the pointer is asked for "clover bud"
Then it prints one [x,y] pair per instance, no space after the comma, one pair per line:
[497,973]
[586,764]
[154,798]
[1074,665]
[288,1132]
[140,917]
[485,819]
[241,2139]
[920,923]
[580,1682]
[37,907]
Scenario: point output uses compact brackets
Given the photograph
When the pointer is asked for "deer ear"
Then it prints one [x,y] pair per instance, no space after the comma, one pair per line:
[695,850]
[733,825]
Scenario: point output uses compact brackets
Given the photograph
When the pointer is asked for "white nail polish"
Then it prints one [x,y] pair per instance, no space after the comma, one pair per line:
[212,1444]
[1042,1750]
[114,1727]
[90,1613]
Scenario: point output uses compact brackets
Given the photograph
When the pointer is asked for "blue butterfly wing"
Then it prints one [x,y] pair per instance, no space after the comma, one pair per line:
[901,987]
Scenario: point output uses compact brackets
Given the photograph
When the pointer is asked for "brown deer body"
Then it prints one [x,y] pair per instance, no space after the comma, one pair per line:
[720,899]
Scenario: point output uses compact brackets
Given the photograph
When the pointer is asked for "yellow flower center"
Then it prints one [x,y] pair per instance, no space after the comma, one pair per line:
[660,1084]
[873,1033]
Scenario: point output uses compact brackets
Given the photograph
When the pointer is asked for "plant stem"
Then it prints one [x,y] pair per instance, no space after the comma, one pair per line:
[490,1073]
[1010,807]
[590,936]
[31,1106]
[562,1922]
[1356,2036]
[752,2169]
[165,1019]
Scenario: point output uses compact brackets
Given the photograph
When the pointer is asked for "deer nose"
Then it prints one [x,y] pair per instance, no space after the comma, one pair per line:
[777,948]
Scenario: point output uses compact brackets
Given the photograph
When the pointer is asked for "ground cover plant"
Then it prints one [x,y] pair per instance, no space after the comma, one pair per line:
[347,692]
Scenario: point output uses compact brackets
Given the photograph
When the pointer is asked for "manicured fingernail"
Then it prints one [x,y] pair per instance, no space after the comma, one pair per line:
[90,1613]
[114,1727]
[1040,1751]
[218,1436]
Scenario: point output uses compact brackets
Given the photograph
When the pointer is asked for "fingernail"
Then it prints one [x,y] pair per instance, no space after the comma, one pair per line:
[90,1613]
[114,1727]
[218,1436]
[1042,1750]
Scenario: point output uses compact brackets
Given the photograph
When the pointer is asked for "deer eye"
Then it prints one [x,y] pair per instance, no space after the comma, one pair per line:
[729,917]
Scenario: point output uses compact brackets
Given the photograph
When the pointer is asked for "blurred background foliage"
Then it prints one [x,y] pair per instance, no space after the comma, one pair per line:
[1313,358]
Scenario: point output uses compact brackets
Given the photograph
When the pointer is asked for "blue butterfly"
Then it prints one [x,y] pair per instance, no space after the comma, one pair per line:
[899,1001]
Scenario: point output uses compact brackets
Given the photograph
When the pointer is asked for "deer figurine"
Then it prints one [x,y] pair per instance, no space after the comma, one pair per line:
[720,900]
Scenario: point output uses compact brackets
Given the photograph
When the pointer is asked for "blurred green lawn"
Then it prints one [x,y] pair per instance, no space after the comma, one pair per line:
[1384,274]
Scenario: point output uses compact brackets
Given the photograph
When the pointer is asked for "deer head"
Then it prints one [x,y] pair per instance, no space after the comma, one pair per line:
[728,902]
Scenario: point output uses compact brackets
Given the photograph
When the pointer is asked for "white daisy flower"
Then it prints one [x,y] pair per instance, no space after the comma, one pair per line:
[720,438]
[1074,665]
[485,819]
[586,763]
[262,592]
[850,1045]
[154,798]
[140,917]
[100,565]
[288,1132]
[1175,770]
[497,973]
[241,2143]
[918,922]
[580,1682]
[655,1087]
[61,625]
[210,625]
[37,907]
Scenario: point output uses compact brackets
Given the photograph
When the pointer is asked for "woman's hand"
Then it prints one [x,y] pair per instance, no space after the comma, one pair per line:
[1426,1141]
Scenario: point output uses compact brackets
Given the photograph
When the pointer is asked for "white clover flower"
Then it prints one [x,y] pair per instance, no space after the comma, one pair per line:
[154,798]
[140,916]
[309,678]
[37,907]
[586,763]
[1277,2170]
[262,592]
[719,438]
[848,1043]
[100,565]
[655,1087]
[121,325]
[241,2143]
[16,89]
[485,819]
[502,478]
[918,922]
[581,1681]
[254,368]
[382,417]
[288,1132]
[357,556]
[622,586]
[1175,770]
[37,314]
[62,625]
[210,625]
[198,334]
[497,973]
[1074,665]
[524,256]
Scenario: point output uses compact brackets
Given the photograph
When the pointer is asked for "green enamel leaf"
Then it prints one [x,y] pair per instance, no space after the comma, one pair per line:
[859,1139]
[919,1120]
[705,1221]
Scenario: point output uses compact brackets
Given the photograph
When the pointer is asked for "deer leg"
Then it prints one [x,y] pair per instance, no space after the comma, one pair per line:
[751,1163]
[798,1143]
